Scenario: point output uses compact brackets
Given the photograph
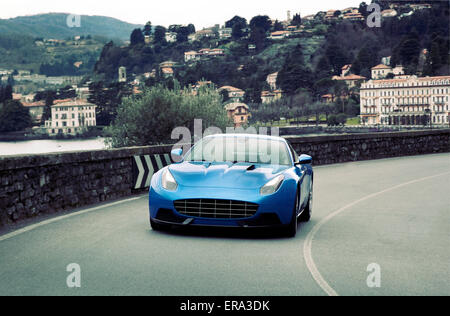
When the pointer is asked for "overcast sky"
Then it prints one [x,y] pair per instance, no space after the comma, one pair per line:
[202,13]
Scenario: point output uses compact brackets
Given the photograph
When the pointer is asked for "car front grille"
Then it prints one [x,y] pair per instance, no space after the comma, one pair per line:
[208,208]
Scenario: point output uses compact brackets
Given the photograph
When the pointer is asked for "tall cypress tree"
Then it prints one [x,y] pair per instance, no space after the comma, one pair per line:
[295,74]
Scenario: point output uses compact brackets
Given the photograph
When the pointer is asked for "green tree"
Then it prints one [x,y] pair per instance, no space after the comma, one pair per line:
[261,22]
[296,20]
[14,116]
[295,74]
[323,69]
[236,20]
[258,37]
[191,28]
[323,86]
[47,113]
[437,62]
[237,24]
[236,32]
[151,117]
[107,98]
[148,28]
[407,52]
[337,57]
[6,93]
[341,118]
[160,35]
[363,9]
[277,26]
[137,37]
[182,34]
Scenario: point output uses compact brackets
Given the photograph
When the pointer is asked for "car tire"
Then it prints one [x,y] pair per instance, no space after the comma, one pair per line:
[307,212]
[156,226]
[292,227]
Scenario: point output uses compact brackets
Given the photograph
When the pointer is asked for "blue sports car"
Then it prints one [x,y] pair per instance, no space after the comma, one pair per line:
[234,180]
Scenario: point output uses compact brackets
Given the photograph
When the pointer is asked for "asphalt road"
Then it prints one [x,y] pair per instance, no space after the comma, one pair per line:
[392,212]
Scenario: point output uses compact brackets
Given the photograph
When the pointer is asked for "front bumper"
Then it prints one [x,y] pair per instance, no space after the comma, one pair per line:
[273,210]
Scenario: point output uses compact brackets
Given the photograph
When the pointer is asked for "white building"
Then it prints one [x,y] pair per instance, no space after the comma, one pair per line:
[122,74]
[191,55]
[406,101]
[225,32]
[272,80]
[382,70]
[71,118]
[171,37]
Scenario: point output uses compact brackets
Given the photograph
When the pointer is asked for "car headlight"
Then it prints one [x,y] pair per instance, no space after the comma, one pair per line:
[168,181]
[272,186]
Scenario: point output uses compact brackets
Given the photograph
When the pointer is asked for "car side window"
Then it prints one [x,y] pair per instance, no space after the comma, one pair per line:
[294,154]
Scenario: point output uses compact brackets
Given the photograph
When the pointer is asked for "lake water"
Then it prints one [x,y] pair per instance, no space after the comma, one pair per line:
[49,146]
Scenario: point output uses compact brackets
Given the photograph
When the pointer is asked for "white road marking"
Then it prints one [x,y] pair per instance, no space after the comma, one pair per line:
[159,162]
[168,161]
[307,246]
[60,218]
[141,172]
[151,171]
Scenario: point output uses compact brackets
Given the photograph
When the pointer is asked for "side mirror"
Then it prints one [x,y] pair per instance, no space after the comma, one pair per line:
[177,154]
[304,160]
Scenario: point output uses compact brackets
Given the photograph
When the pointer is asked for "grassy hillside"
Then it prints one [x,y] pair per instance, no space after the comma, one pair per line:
[54,25]
[22,53]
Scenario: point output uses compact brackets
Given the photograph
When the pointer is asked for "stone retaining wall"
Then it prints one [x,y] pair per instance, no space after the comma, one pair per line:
[354,147]
[35,184]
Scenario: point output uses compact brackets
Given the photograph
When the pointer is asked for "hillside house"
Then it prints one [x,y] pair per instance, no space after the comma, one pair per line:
[272,80]
[71,117]
[238,112]
[381,71]
[235,94]
[350,80]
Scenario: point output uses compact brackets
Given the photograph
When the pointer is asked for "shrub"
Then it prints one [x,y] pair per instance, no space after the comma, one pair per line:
[151,117]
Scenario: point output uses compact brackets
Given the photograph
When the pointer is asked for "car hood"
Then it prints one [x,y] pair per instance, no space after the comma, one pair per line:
[224,175]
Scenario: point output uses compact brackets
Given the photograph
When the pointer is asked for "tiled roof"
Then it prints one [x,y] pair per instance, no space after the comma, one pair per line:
[33,104]
[167,70]
[381,66]
[349,77]
[77,102]
[230,88]
[234,106]
[279,33]
[345,67]
[59,101]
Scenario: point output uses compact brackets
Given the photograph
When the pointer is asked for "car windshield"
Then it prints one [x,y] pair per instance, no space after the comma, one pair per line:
[240,149]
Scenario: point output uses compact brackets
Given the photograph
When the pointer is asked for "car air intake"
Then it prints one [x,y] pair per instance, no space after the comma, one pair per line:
[223,209]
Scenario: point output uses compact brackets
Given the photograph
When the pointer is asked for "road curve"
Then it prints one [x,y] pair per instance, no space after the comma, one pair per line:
[394,213]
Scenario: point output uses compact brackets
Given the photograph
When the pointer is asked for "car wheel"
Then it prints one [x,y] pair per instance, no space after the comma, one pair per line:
[307,212]
[292,226]
[157,226]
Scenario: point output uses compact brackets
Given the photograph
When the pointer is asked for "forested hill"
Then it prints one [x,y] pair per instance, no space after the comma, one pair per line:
[54,25]
[306,61]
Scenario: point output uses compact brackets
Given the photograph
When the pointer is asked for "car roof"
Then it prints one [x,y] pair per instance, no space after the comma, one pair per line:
[257,136]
